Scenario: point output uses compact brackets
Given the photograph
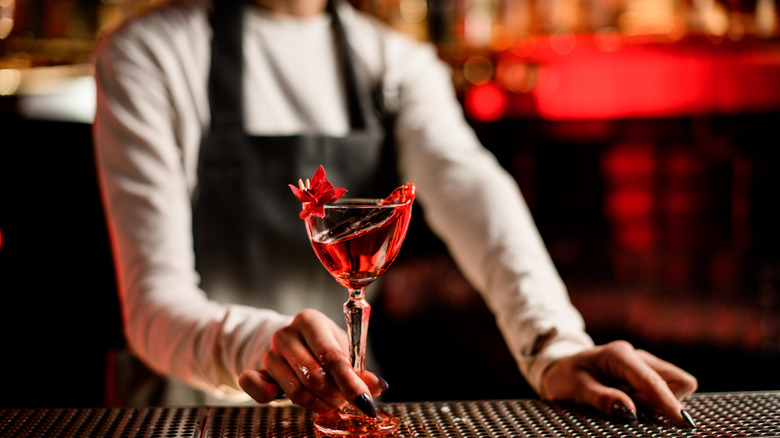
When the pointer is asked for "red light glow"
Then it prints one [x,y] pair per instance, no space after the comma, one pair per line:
[635,237]
[594,82]
[627,205]
[630,203]
[679,203]
[632,164]
[486,102]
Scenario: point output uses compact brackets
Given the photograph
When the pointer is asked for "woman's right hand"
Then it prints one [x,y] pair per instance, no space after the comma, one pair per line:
[594,375]
[309,362]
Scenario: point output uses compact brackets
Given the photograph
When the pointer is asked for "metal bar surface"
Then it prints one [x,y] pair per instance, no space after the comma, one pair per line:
[733,414]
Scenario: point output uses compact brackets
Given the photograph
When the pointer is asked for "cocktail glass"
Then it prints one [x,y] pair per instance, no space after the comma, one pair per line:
[356,241]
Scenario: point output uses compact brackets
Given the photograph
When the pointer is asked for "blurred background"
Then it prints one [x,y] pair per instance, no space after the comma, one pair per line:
[643,133]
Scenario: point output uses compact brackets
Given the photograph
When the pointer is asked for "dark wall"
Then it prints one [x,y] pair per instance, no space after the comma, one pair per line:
[59,307]
[665,231]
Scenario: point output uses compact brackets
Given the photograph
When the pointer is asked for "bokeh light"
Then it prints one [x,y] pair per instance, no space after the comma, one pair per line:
[486,102]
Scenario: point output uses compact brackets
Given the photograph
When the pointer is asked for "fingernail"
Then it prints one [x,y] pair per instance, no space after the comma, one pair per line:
[383,383]
[688,418]
[363,403]
[620,410]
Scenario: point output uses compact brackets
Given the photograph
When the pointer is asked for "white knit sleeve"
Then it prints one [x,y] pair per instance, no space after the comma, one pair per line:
[477,209]
[169,322]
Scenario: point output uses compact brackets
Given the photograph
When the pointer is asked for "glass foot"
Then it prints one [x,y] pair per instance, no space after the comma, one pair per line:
[339,424]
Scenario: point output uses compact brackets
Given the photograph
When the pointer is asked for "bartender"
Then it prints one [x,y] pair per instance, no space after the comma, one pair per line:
[207,111]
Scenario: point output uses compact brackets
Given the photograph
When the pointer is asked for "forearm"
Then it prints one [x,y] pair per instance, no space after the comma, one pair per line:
[489,231]
[203,343]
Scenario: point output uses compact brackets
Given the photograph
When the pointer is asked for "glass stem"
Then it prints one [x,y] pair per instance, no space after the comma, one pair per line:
[357,312]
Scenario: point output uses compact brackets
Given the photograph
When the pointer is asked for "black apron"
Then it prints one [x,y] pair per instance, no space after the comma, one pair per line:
[250,245]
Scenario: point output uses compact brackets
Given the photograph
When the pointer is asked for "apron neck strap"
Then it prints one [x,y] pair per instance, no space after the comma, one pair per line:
[227,56]
[356,110]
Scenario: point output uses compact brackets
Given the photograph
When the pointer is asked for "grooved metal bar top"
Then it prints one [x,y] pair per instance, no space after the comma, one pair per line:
[738,414]
[102,423]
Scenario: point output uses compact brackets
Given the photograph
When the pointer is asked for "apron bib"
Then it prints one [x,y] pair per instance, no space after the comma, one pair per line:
[250,245]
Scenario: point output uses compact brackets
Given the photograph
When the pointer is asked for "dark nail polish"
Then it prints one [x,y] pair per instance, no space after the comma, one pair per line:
[363,403]
[279,391]
[688,418]
[383,383]
[620,410]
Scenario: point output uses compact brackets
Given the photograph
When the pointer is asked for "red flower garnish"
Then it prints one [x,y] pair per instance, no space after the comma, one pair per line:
[316,194]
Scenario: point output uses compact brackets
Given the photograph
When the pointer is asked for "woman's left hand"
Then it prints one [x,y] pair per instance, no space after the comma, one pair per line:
[594,376]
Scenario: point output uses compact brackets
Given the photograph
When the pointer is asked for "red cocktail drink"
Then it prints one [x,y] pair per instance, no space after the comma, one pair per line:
[356,240]
[361,240]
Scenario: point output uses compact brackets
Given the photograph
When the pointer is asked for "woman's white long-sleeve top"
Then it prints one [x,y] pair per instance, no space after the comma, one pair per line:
[152,110]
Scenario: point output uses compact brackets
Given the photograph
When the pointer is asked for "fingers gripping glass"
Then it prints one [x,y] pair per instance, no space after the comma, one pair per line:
[356,240]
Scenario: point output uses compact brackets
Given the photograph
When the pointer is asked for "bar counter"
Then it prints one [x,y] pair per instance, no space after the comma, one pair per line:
[729,414]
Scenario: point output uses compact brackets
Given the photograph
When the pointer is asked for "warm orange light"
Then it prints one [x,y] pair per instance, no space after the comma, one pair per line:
[478,70]
[516,77]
